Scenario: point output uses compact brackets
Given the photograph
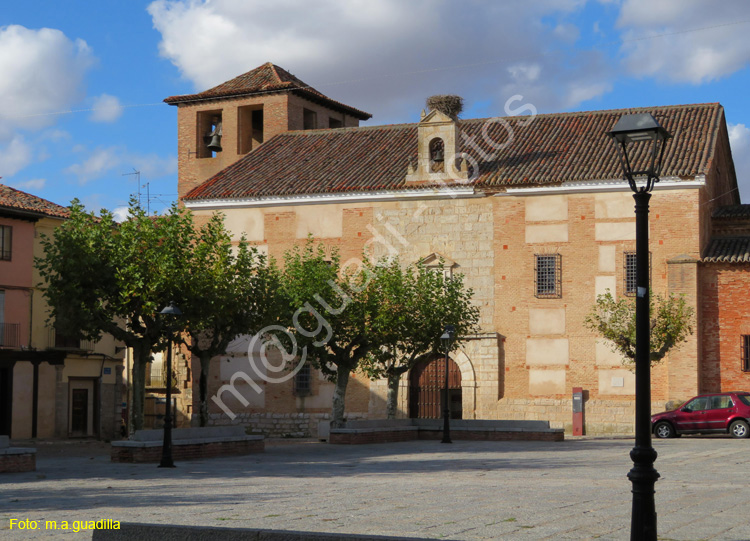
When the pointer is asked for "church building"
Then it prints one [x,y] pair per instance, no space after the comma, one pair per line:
[532,210]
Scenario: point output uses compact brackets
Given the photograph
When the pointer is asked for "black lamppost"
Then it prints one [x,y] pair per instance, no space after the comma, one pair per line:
[446,339]
[166,448]
[641,140]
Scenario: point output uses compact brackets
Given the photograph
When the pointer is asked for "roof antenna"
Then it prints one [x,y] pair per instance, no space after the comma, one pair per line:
[138,182]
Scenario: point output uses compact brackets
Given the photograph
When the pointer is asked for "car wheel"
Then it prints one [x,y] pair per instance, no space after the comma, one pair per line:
[664,430]
[739,429]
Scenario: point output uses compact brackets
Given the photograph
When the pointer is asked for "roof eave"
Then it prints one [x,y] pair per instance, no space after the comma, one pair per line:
[26,214]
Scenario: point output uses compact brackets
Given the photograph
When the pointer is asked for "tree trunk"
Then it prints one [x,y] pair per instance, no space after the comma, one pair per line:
[391,406]
[141,353]
[339,396]
[205,359]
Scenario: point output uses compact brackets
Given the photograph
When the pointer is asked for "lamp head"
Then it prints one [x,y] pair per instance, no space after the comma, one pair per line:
[640,140]
[171,310]
[447,336]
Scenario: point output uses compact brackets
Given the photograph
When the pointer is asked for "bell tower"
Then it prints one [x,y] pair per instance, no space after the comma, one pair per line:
[439,158]
[219,126]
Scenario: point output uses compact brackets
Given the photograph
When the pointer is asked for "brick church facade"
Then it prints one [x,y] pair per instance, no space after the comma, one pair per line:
[531,210]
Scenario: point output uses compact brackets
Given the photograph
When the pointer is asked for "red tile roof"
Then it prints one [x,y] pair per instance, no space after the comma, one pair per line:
[731,212]
[550,149]
[265,79]
[13,199]
[728,250]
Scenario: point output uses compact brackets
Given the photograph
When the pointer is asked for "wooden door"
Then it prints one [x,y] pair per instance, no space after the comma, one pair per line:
[79,412]
[426,389]
[6,399]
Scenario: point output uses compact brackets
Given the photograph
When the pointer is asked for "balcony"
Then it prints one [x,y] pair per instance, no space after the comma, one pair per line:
[156,377]
[10,335]
[57,340]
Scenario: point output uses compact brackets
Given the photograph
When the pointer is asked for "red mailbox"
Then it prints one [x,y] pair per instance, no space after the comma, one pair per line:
[577,411]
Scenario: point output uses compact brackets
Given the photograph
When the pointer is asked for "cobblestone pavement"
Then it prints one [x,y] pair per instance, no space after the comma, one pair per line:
[575,489]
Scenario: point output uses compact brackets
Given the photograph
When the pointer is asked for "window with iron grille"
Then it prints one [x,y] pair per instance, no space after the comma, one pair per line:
[548,276]
[6,237]
[629,274]
[303,381]
[745,344]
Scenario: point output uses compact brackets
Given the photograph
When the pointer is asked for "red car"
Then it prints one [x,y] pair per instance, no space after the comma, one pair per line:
[708,413]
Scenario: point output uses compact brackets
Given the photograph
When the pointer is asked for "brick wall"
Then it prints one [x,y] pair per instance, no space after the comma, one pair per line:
[17,463]
[186,452]
[493,241]
[726,317]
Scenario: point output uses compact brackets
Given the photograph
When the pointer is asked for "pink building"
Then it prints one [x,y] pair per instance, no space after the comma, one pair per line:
[50,385]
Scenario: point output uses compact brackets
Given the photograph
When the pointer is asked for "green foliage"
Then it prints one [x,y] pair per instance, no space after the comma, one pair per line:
[671,323]
[225,294]
[330,307]
[103,277]
[418,302]
[335,308]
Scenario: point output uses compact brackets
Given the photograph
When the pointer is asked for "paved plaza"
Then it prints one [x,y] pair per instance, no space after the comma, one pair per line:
[576,489]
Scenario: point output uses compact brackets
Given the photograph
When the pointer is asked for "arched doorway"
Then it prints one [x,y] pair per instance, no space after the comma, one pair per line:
[426,384]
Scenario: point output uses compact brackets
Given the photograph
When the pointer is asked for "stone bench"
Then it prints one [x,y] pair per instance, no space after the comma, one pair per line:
[392,430]
[187,444]
[16,459]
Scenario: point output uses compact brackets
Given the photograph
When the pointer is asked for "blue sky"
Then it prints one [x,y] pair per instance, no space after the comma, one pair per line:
[83,82]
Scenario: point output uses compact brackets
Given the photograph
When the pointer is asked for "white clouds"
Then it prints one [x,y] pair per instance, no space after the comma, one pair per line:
[109,161]
[99,163]
[153,166]
[14,156]
[525,73]
[684,53]
[561,85]
[32,185]
[385,57]
[106,109]
[211,42]
[739,139]
[42,73]
[121,214]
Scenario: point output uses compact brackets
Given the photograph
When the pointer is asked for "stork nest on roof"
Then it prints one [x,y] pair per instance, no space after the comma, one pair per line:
[448,104]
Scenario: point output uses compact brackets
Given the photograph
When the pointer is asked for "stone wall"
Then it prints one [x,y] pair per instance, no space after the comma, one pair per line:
[280,425]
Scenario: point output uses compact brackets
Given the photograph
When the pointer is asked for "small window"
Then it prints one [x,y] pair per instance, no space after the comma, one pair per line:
[303,381]
[437,155]
[334,123]
[629,274]
[745,352]
[6,240]
[548,276]
[309,119]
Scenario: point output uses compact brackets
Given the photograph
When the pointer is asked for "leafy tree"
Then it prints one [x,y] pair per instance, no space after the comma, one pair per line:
[417,303]
[671,323]
[103,277]
[224,296]
[333,318]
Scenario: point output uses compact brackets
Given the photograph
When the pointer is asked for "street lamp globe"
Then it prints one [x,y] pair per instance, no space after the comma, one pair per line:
[641,141]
